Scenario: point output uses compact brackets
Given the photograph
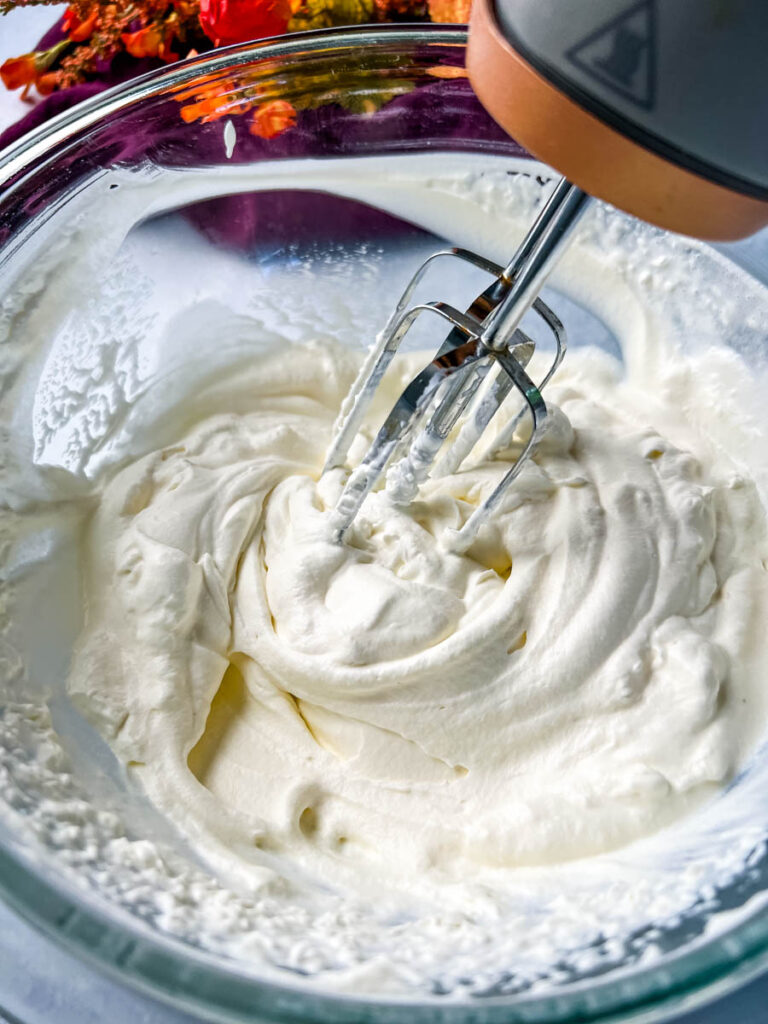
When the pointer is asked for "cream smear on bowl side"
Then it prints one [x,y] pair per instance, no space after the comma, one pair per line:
[387,754]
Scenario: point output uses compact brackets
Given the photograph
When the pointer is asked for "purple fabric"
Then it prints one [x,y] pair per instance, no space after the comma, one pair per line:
[51,105]
[52,36]
[438,113]
[242,222]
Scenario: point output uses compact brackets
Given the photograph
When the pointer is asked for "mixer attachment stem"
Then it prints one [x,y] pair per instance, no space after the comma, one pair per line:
[484,347]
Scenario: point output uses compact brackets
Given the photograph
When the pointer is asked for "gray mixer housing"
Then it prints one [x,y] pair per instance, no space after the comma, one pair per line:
[687,79]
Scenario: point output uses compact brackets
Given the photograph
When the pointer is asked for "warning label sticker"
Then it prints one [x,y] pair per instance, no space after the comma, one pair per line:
[621,53]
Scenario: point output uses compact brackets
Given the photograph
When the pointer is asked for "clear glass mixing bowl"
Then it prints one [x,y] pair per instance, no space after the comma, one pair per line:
[362,92]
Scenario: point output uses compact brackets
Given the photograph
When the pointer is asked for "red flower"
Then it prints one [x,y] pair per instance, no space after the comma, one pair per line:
[152,41]
[237,21]
[77,30]
[273,118]
[18,71]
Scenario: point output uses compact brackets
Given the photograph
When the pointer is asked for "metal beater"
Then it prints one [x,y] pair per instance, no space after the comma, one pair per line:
[484,347]
[656,108]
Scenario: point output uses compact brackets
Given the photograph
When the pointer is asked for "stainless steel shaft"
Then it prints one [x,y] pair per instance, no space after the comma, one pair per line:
[534,260]
[487,332]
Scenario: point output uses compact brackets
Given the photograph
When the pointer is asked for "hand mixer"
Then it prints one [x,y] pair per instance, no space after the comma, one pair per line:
[659,107]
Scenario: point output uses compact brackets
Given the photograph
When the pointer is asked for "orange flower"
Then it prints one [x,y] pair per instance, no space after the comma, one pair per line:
[146,42]
[46,83]
[152,41]
[199,90]
[212,102]
[273,118]
[447,71]
[28,68]
[18,71]
[453,12]
[77,30]
[212,109]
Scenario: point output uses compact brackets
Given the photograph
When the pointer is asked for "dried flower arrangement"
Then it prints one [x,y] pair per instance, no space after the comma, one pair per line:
[95,32]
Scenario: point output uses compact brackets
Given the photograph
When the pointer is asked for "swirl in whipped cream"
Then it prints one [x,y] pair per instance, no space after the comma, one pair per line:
[386,708]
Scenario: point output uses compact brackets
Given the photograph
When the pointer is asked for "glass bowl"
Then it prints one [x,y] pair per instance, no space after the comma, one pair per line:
[154,146]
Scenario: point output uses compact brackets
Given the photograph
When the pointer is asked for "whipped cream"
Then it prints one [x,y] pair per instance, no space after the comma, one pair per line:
[385,753]
[586,671]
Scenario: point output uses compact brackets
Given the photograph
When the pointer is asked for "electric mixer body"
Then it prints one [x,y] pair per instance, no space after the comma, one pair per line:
[657,107]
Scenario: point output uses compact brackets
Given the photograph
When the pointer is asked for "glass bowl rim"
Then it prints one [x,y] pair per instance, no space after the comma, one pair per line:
[111,937]
[17,158]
